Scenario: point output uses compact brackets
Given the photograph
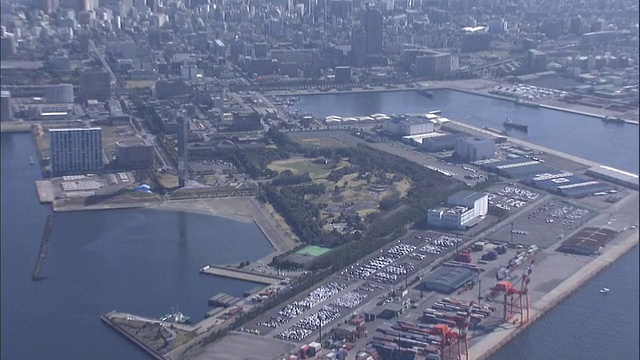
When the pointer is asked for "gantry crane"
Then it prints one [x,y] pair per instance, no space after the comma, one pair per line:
[463,336]
[448,340]
[513,306]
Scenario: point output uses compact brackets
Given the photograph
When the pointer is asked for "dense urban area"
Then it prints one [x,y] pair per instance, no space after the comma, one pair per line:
[395,236]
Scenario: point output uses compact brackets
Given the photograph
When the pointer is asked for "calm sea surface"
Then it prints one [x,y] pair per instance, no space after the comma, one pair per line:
[128,260]
[137,261]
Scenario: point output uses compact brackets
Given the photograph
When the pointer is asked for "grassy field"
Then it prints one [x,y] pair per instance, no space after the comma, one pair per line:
[301,165]
[313,250]
[353,193]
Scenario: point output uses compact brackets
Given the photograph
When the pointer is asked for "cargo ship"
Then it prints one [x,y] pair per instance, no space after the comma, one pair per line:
[532,104]
[176,317]
[508,124]
[427,93]
[614,120]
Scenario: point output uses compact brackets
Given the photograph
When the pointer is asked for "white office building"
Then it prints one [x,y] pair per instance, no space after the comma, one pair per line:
[465,208]
[76,151]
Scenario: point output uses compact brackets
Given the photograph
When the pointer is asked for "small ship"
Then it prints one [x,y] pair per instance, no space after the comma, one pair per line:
[176,317]
[614,120]
[427,93]
[522,102]
[508,124]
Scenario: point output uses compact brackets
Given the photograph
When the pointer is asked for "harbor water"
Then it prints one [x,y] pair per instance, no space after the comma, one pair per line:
[146,261]
[139,261]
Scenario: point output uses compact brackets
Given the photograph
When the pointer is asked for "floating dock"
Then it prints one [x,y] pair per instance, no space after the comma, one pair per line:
[223,300]
[240,275]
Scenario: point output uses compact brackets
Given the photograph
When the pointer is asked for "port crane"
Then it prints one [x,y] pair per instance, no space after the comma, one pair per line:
[516,301]
[463,336]
[448,341]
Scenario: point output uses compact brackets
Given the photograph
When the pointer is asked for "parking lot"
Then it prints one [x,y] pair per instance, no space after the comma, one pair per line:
[511,197]
[350,289]
[545,225]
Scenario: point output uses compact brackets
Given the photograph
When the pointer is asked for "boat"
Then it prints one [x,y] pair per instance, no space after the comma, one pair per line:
[508,124]
[532,104]
[614,120]
[31,160]
[604,290]
[427,93]
[176,317]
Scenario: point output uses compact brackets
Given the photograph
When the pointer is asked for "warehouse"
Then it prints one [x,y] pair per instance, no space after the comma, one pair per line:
[615,176]
[587,241]
[517,168]
[565,183]
[442,143]
[447,280]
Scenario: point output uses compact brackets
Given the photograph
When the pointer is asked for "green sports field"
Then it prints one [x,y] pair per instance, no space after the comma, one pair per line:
[312,250]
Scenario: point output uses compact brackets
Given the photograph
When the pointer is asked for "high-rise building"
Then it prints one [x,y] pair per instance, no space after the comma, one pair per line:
[76,151]
[373,28]
[433,64]
[5,106]
[95,85]
[536,61]
[135,154]
[358,46]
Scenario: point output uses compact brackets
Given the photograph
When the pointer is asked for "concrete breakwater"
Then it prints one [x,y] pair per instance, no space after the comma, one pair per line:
[240,275]
[106,318]
[42,252]
[491,343]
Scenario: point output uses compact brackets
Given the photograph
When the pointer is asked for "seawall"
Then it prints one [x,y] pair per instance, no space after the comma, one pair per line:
[491,343]
[105,318]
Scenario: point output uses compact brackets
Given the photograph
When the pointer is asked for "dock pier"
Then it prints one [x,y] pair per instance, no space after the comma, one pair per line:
[42,253]
[240,275]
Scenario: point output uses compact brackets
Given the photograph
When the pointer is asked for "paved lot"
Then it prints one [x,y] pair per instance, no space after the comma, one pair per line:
[246,346]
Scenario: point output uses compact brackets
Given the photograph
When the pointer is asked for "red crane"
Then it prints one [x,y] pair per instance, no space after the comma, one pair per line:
[463,335]
[516,301]
[448,340]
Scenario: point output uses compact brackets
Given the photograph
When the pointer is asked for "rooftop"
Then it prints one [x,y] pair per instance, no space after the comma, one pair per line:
[588,240]
[465,195]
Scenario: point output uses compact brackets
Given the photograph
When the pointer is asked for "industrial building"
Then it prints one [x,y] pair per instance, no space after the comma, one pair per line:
[477,201]
[466,208]
[516,168]
[5,106]
[442,143]
[565,183]
[412,125]
[474,149]
[587,241]
[615,176]
[76,151]
[447,280]
[457,217]
[135,154]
